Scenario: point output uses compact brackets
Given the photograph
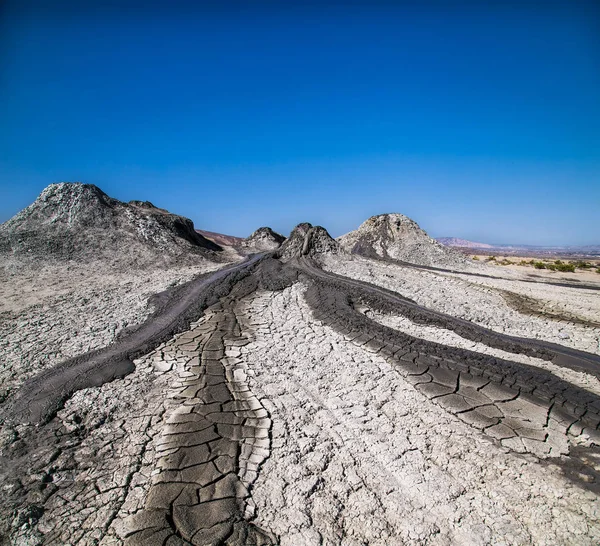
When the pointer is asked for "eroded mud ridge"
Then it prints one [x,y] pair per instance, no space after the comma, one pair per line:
[175,451]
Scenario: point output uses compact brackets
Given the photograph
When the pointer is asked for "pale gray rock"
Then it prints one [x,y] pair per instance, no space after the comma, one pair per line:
[263,239]
[79,222]
[308,240]
[397,237]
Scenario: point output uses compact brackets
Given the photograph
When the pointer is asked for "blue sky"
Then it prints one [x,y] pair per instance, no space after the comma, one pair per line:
[478,120]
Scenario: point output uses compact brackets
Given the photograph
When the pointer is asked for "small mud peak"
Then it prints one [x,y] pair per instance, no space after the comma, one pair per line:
[75,221]
[398,237]
[264,238]
[308,240]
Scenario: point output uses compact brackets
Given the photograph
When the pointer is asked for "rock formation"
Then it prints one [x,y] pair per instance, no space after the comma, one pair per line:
[264,238]
[397,237]
[308,240]
[74,221]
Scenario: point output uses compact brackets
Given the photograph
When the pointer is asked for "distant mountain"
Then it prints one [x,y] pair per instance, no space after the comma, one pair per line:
[220,238]
[398,237]
[463,243]
[79,222]
[525,250]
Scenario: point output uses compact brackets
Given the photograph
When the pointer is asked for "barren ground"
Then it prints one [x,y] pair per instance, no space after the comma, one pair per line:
[297,411]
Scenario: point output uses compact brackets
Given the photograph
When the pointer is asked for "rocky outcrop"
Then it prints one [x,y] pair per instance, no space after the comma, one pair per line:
[264,238]
[397,237]
[74,221]
[308,240]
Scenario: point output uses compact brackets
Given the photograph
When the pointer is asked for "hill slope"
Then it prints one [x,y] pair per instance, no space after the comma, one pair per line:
[397,237]
[264,238]
[74,221]
[308,240]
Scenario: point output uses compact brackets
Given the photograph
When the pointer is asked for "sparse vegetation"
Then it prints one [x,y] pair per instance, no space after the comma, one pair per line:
[558,265]
[546,263]
[565,267]
[476,258]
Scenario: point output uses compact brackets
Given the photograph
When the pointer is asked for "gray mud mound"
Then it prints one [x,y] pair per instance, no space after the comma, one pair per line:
[264,238]
[308,240]
[74,221]
[397,237]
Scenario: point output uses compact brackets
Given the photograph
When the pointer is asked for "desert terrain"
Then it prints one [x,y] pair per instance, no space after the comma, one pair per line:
[159,386]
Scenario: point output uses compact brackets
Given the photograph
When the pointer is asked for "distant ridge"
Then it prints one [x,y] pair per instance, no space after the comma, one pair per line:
[463,243]
[220,238]
[590,251]
[264,238]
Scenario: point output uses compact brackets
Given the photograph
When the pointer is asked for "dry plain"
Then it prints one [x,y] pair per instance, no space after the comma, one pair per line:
[316,396]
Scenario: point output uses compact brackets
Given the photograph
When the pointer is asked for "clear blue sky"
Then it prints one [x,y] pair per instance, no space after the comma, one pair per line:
[478,120]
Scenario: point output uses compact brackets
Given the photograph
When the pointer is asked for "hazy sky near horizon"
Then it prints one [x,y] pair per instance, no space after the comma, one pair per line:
[479,120]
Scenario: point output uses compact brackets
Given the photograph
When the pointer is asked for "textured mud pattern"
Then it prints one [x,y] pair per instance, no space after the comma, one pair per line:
[211,448]
[535,308]
[387,301]
[173,453]
[471,271]
[42,396]
[526,409]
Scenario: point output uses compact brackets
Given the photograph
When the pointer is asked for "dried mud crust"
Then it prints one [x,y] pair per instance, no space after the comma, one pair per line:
[359,456]
[387,301]
[525,408]
[51,314]
[41,396]
[537,308]
[210,449]
[442,336]
[293,418]
[479,301]
[169,453]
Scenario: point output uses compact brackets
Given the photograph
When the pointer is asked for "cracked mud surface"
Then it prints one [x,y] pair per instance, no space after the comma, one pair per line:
[364,458]
[290,406]
[477,300]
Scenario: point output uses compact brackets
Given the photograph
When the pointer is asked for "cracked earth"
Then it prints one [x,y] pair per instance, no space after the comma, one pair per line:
[332,401]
